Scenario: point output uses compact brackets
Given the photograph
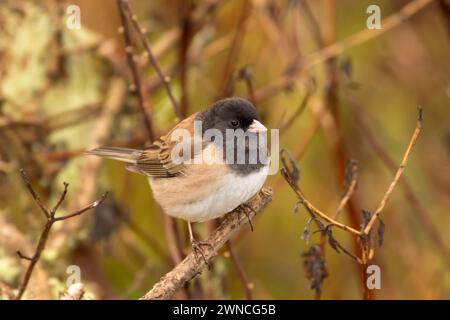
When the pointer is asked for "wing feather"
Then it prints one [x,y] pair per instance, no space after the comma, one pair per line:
[155,161]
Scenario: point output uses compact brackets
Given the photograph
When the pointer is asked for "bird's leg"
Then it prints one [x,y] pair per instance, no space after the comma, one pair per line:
[244,207]
[196,244]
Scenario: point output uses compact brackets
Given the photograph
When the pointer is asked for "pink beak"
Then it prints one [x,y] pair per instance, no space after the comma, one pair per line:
[257,127]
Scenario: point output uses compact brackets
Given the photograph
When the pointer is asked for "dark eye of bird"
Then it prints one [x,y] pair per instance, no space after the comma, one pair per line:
[234,123]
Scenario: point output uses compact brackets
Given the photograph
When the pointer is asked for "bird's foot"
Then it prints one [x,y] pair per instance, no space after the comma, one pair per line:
[245,209]
[198,251]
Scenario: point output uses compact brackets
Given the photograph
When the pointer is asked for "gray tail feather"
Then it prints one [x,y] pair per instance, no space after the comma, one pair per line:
[121,154]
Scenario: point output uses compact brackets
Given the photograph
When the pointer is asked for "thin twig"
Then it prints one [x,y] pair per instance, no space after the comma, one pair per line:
[350,188]
[87,189]
[126,9]
[169,225]
[187,34]
[50,220]
[138,88]
[83,210]
[235,49]
[287,124]
[399,173]
[351,181]
[36,198]
[312,22]
[241,272]
[337,48]
[269,24]
[418,208]
[22,256]
[333,129]
[367,34]
[61,199]
[313,209]
[172,238]
[14,241]
[246,75]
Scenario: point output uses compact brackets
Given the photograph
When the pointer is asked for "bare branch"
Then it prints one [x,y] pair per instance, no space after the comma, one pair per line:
[46,231]
[235,48]
[313,209]
[125,8]
[138,86]
[36,198]
[22,256]
[399,173]
[352,167]
[240,270]
[83,210]
[246,75]
[61,199]
[192,265]
[337,48]
[87,189]
[412,198]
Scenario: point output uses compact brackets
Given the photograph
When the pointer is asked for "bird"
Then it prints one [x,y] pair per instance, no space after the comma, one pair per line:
[200,178]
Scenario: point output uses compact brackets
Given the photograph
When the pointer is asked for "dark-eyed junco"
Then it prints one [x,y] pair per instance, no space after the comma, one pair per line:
[207,177]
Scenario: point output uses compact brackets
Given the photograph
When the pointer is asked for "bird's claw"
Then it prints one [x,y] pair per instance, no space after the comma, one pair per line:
[246,207]
[197,249]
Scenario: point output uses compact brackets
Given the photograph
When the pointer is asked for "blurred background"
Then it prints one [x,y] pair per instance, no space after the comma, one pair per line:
[336,90]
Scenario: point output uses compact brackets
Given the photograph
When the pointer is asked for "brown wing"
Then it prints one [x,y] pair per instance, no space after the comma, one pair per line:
[155,161]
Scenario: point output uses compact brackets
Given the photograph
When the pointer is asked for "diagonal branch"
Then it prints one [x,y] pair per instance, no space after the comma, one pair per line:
[399,173]
[138,87]
[125,8]
[310,207]
[36,198]
[61,199]
[419,209]
[351,181]
[192,265]
[246,284]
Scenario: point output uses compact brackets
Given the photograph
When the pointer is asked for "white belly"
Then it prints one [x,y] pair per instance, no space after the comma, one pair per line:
[231,191]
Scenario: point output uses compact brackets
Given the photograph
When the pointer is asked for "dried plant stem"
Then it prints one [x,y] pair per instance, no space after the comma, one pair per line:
[125,9]
[367,34]
[131,60]
[337,48]
[87,188]
[288,123]
[13,240]
[246,75]
[349,192]
[399,173]
[288,53]
[173,240]
[333,130]
[312,22]
[187,34]
[419,210]
[313,209]
[240,270]
[363,237]
[51,219]
[235,47]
